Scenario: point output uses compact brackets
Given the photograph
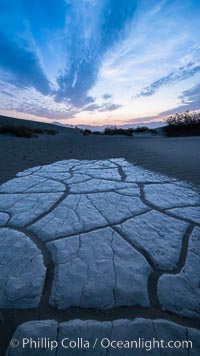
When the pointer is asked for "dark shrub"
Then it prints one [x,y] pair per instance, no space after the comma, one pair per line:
[141,129]
[113,130]
[50,132]
[184,124]
[23,131]
[117,131]
[39,131]
[153,131]
[19,131]
[86,132]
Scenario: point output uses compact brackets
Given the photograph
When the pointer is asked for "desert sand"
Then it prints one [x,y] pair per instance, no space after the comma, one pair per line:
[177,157]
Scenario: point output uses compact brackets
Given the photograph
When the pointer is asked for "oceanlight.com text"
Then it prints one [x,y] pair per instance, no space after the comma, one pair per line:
[101,343]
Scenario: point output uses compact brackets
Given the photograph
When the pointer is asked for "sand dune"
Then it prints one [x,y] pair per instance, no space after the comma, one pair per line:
[177,157]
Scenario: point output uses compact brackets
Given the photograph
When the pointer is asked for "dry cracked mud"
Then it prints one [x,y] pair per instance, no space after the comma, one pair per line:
[105,241]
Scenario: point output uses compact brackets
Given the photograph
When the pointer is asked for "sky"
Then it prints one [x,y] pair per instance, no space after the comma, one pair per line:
[99,62]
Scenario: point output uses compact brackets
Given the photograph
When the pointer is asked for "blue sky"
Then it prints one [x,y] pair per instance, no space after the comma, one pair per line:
[99,62]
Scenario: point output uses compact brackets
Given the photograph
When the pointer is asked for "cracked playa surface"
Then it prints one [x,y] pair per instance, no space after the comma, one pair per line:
[20,261]
[108,233]
[92,330]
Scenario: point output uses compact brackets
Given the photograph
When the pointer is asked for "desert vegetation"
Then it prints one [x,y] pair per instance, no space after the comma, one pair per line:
[117,131]
[114,130]
[86,132]
[23,131]
[184,124]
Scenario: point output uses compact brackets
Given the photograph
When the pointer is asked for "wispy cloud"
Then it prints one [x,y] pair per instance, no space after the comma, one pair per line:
[6,93]
[22,65]
[181,73]
[19,60]
[106,96]
[190,100]
[102,108]
[191,96]
[102,23]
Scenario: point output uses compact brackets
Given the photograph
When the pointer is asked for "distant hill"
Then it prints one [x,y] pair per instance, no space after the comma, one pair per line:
[6,120]
[62,125]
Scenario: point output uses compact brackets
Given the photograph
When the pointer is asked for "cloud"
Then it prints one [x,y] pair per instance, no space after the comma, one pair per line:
[182,73]
[190,100]
[46,112]
[102,108]
[110,107]
[6,93]
[144,119]
[89,100]
[32,102]
[102,24]
[91,107]
[90,55]
[107,96]
[191,96]
[21,64]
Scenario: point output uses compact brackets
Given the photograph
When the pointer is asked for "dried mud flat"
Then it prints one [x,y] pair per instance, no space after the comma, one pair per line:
[99,248]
